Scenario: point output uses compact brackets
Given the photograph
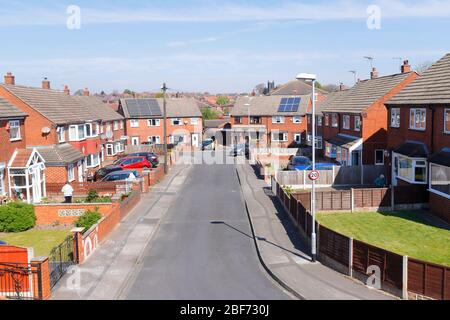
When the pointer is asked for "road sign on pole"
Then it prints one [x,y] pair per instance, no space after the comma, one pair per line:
[314,175]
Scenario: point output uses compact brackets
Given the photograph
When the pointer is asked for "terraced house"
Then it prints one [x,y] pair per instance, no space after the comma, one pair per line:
[419,135]
[355,122]
[144,121]
[61,133]
[271,120]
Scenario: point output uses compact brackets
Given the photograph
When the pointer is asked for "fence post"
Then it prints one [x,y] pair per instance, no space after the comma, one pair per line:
[405,278]
[41,277]
[392,197]
[352,199]
[350,257]
[78,244]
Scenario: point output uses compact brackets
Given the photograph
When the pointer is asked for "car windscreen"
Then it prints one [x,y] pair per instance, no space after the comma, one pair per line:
[301,161]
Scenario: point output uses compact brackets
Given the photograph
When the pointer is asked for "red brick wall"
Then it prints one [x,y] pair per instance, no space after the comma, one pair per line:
[440,206]
[7,147]
[47,214]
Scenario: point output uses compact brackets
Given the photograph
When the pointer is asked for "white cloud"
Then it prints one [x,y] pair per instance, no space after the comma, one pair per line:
[226,12]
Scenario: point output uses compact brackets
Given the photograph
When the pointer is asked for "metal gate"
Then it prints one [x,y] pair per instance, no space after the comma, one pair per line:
[61,258]
[20,281]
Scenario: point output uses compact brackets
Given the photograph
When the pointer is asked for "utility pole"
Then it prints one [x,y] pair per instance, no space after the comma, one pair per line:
[164,90]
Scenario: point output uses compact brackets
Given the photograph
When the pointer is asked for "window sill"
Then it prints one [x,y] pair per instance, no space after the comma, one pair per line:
[15,140]
[411,182]
[419,130]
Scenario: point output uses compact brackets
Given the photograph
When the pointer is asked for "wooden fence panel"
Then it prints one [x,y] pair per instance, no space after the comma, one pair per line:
[334,245]
[429,279]
[411,194]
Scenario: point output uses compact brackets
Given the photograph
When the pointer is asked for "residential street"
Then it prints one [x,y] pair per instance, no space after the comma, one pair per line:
[204,248]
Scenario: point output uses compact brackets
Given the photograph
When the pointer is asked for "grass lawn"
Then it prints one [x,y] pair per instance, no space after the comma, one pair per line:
[43,241]
[405,233]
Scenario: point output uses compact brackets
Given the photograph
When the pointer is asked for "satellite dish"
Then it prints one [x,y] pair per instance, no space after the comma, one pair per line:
[109,134]
[46,130]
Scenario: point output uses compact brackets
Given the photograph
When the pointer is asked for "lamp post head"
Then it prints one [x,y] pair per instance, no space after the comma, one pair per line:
[306,76]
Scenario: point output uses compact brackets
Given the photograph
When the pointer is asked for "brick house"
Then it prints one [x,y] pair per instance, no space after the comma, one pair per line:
[355,123]
[419,135]
[144,121]
[271,120]
[64,131]
[295,88]
[12,137]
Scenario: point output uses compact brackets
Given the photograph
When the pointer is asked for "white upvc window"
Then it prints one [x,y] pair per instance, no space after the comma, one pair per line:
[121,124]
[447,120]
[395,117]
[319,121]
[110,151]
[61,132]
[91,130]
[418,119]
[14,130]
[412,170]
[92,161]
[379,157]
[154,139]
[298,138]
[297,119]
[327,120]
[154,122]
[194,121]
[108,127]
[357,123]
[70,173]
[116,125]
[278,119]
[77,132]
[334,120]
[102,129]
[280,137]
[177,122]
[134,123]
[440,180]
[346,122]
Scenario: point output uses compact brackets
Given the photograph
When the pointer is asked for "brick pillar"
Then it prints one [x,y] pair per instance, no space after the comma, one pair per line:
[145,183]
[42,288]
[78,245]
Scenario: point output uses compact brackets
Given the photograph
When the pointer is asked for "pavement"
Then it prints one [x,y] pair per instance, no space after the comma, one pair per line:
[107,270]
[286,255]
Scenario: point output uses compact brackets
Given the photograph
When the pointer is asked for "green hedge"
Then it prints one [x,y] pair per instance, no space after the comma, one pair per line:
[17,217]
[88,219]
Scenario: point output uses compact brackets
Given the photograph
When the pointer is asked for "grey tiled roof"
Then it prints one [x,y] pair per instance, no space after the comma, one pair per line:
[8,111]
[294,87]
[366,93]
[176,107]
[442,157]
[328,100]
[267,106]
[99,108]
[432,87]
[60,155]
[215,123]
[56,106]
[413,149]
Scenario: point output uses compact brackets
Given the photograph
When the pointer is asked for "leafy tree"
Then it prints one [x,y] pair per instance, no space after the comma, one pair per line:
[16,217]
[222,101]
[209,114]
[88,219]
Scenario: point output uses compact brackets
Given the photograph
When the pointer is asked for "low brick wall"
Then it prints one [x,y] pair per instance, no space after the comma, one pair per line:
[66,214]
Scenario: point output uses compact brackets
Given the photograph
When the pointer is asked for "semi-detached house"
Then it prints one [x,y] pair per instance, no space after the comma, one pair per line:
[62,135]
[419,135]
[355,123]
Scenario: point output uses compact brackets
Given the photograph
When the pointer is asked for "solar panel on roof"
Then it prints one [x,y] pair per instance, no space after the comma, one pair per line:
[143,108]
[289,104]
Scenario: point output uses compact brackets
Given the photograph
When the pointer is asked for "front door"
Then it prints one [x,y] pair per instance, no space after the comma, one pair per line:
[195,140]
[80,171]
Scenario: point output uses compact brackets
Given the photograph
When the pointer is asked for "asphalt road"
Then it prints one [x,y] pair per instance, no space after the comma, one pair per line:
[203,249]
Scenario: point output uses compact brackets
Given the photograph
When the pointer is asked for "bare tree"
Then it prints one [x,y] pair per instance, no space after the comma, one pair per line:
[423,66]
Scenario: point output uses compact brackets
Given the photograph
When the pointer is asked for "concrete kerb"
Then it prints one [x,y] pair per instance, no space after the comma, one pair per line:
[258,252]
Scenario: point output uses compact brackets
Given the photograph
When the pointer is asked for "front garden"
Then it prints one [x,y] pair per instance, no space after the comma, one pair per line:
[413,234]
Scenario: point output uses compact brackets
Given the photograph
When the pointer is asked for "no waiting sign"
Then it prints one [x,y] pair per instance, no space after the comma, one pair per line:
[314,175]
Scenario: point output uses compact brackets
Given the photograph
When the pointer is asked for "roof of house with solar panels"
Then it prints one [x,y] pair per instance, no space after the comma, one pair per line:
[272,105]
[153,108]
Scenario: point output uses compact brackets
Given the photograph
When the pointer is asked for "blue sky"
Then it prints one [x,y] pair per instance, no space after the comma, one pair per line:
[215,46]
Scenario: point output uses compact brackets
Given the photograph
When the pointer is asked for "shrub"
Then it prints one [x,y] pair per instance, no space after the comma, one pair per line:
[93,197]
[88,219]
[17,217]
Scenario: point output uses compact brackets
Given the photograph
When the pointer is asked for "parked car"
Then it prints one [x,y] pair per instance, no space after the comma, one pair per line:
[125,175]
[134,163]
[151,156]
[322,166]
[103,172]
[3,243]
[299,163]
[208,144]
[240,150]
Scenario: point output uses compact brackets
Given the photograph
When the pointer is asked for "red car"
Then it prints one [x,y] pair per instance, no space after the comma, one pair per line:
[134,163]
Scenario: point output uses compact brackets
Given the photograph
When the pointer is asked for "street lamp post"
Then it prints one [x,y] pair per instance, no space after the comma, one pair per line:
[164,90]
[312,77]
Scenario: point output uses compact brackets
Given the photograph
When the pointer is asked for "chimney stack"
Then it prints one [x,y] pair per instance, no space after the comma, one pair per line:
[406,67]
[66,90]
[10,79]
[86,92]
[374,74]
[45,84]
[342,87]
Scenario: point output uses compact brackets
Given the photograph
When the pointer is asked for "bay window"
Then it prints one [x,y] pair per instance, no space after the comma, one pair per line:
[395,118]
[412,170]
[440,180]
[418,119]
[14,130]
